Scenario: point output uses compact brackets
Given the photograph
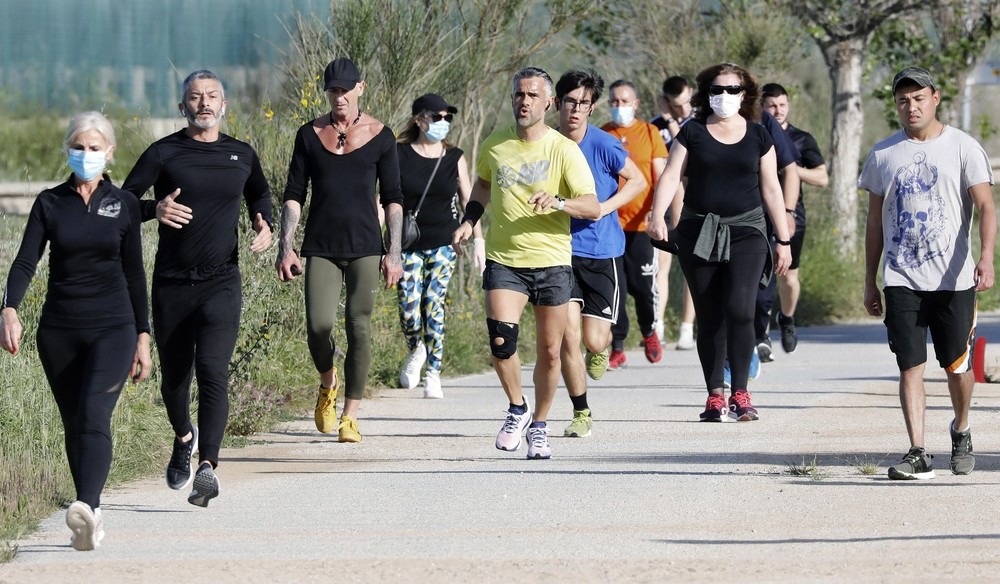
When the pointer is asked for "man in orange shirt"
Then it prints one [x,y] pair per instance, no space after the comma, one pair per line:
[637,271]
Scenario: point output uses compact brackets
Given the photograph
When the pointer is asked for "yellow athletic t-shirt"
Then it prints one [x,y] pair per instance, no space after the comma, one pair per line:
[517,236]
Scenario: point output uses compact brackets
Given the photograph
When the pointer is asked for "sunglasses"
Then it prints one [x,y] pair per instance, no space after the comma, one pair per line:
[439,117]
[730,89]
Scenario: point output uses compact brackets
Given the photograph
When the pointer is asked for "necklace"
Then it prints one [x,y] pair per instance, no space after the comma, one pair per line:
[342,134]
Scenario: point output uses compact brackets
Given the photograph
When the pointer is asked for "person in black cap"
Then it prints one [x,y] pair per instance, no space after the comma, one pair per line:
[925,182]
[343,154]
[431,172]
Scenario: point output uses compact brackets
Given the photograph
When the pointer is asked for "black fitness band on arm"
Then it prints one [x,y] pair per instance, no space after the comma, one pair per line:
[473,211]
[780,242]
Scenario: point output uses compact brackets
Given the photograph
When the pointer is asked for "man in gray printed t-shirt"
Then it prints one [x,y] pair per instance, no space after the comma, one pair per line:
[924,184]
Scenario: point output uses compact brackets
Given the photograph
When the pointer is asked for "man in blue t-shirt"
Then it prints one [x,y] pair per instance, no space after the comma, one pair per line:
[596,244]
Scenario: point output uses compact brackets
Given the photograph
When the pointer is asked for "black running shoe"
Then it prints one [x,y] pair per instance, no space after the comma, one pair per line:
[962,459]
[789,340]
[764,350]
[916,465]
[206,486]
[179,469]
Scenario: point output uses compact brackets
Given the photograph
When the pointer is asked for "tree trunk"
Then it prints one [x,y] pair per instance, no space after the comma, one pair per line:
[845,63]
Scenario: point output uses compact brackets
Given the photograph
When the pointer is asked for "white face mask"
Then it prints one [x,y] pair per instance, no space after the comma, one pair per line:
[725,105]
[623,116]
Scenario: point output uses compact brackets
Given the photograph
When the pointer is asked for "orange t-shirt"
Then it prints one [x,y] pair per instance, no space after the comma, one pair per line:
[643,143]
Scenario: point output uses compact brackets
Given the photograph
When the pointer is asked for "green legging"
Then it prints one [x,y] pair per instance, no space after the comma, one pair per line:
[324,279]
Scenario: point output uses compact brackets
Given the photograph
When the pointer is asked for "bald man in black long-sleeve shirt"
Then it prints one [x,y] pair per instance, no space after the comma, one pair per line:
[199,175]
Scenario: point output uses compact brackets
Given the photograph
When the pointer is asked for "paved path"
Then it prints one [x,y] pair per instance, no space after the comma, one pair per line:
[651,496]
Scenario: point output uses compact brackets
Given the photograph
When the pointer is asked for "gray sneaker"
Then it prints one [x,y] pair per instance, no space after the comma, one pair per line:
[206,486]
[916,465]
[962,459]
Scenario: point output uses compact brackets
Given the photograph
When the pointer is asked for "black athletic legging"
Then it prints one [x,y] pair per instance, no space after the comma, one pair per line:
[636,277]
[86,368]
[196,324]
[725,295]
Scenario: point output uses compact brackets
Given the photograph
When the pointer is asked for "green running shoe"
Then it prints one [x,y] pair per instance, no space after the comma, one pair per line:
[581,424]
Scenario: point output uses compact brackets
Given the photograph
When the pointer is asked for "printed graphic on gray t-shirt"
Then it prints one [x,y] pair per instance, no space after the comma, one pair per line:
[926,207]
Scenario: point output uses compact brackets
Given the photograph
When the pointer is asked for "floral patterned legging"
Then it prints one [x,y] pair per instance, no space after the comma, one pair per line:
[422,291]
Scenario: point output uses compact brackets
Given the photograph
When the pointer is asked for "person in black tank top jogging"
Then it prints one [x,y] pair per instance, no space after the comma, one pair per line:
[431,173]
[721,241]
[94,325]
[342,154]
[199,176]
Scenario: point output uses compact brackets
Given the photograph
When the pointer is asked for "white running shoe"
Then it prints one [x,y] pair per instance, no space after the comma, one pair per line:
[538,443]
[409,377]
[82,521]
[432,385]
[509,437]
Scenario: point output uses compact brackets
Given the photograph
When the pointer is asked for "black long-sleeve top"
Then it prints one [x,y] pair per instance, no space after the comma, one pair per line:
[343,216]
[96,276]
[213,177]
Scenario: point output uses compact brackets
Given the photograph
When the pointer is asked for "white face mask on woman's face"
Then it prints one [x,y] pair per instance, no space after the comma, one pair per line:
[725,105]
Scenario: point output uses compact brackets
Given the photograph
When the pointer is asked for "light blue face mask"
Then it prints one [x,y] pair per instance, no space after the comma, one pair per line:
[86,164]
[623,116]
[437,131]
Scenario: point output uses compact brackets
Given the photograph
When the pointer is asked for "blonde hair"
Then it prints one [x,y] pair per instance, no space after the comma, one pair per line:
[85,122]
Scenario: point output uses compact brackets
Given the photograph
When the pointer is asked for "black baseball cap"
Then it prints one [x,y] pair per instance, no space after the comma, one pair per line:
[431,102]
[342,73]
[918,75]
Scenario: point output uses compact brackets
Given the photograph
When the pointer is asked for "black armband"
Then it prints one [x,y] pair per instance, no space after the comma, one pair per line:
[780,242]
[473,211]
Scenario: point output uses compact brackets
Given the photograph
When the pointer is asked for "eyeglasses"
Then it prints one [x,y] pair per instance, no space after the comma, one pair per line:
[730,89]
[572,104]
[439,117]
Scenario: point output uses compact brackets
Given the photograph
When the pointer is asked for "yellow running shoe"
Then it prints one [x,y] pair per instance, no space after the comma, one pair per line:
[597,363]
[326,407]
[349,429]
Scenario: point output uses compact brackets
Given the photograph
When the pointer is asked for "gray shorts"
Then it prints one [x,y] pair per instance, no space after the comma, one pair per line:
[543,286]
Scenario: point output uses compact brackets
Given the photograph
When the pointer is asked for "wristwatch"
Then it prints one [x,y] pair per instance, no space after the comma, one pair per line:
[562,203]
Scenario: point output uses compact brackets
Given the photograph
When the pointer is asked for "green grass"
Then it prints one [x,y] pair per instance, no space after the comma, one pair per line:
[806,468]
[866,465]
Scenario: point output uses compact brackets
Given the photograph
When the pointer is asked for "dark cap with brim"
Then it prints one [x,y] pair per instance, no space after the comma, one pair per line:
[432,102]
[342,73]
[918,75]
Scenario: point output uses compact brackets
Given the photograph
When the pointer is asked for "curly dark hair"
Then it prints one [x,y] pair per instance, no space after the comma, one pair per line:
[749,109]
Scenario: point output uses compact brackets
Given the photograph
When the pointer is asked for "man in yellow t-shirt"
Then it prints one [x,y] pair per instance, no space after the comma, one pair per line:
[536,179]
[637,271]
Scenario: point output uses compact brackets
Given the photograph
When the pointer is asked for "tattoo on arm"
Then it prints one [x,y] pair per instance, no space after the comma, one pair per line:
[394,230]
[289,221]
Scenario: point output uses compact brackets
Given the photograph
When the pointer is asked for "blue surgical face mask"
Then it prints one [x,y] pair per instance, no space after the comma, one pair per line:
[623,116]
[86,164]
[437,131]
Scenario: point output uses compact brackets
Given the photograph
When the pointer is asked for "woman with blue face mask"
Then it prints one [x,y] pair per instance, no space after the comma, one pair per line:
[434,177]
[93,332]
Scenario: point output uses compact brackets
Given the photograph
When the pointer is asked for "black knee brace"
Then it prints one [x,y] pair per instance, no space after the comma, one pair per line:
[503,338]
